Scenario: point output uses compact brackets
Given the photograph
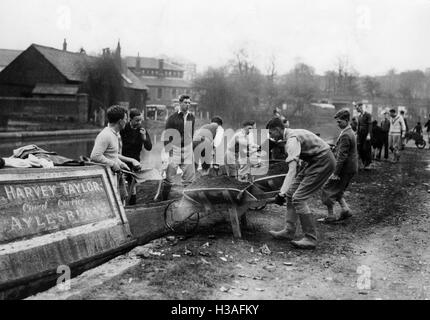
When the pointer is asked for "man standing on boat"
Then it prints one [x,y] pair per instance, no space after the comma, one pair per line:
[299,187]
[108,144]
[134,137]
[181,154]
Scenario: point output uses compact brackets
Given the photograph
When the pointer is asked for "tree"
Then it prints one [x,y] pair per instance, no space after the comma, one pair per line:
[104,83]
[300,84]
[215,93]
[371,87]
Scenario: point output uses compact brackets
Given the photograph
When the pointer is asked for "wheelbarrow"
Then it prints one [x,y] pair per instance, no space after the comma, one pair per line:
[235,202]
[266,187]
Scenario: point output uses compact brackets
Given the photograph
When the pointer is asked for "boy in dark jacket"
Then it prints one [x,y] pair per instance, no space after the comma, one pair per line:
[346,168]
[134,137]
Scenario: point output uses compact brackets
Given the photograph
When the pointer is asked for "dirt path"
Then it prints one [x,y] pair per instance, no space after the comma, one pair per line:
[387,242]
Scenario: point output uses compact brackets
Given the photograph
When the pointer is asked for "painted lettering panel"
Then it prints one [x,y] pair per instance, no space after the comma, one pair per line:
[36,207]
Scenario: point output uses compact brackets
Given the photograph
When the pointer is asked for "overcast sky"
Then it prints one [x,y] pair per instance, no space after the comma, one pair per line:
[375,35]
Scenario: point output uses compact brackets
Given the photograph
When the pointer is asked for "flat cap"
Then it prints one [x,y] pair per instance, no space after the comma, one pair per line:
[342,115]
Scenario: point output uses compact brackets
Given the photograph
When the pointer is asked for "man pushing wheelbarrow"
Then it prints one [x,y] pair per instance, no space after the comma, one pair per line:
[298,187]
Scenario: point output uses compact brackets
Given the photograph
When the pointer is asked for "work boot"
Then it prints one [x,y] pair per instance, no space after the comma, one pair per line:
[309,241]
[346,211]
[305,243]
[289,231]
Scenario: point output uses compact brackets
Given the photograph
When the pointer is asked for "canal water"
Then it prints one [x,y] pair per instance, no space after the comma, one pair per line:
[71,147]
[74,147]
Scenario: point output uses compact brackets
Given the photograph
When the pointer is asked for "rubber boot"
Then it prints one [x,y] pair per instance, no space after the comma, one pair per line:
[309,241]
[165,191]
[289,231]
[346,211]
[132,200]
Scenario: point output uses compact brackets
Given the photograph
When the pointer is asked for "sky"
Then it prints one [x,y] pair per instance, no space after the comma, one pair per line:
[374,36]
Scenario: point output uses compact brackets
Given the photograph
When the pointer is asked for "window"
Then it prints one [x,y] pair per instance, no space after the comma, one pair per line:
[173,93]
[160,93]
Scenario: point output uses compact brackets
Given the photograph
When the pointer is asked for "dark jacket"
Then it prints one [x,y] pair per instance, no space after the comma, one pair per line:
[364,124]
[176,121]
[346,153]
[377,140]
[385,125]
[132,142]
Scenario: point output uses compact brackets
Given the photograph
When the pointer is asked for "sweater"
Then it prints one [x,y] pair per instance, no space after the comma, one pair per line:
[397,126]
[132,142]
[106,148]
[176,121]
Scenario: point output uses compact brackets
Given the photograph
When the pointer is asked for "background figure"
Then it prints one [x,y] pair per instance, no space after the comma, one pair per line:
[427,125]
[402,114]
[364,132]
[346,168]
[211,134]
[377,140]
[181,154]
[277,148]
[397,131]
[239,149]
[354,124]
[418,129]
[385,126]
[134,137]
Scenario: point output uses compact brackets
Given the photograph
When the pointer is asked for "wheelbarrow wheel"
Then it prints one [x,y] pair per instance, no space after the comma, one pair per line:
[185,225]
[420,144]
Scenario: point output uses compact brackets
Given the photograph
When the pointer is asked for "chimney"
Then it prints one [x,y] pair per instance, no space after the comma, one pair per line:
[160,67]
[138,66]
[106,52]
[65,45]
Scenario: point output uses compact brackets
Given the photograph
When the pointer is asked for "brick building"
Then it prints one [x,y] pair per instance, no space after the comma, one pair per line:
[52,82]
[164,80]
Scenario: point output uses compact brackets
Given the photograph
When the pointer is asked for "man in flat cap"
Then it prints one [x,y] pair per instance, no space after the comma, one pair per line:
[346,168]
[299,186]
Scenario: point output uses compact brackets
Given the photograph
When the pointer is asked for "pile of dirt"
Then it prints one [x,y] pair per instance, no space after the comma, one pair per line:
[147,191]
[204,182]
[278,168]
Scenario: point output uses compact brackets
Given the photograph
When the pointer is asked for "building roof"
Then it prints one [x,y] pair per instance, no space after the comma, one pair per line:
[150,63]
[131,81]
[7,56]
[166,82]
[55,89]
[72,65]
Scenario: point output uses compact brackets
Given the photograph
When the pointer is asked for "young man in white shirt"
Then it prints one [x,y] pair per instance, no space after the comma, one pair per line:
[239,149]
[108,145]
[396,133]
[208,137]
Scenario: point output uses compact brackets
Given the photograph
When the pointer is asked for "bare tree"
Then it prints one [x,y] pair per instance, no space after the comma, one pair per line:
[371,87]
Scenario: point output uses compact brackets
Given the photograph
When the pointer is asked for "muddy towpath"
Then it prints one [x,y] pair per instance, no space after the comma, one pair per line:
[382,252]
